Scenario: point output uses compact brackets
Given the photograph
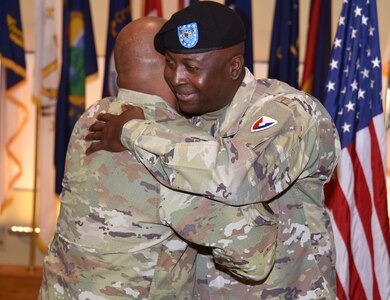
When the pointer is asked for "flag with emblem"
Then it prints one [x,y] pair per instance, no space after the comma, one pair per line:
[244,9]
[185,3]
[284,54]
[356,196]
[13,112]
[78,62]
[119,16]
[46,79]
[152,8]
[318,48]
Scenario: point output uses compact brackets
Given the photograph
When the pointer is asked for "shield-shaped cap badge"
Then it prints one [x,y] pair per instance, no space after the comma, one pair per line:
[188,34]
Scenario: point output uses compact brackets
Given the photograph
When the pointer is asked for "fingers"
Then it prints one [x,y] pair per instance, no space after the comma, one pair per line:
[97,126]
[105,117]
[112,147]
[96,146]
[131,113]
[94,136]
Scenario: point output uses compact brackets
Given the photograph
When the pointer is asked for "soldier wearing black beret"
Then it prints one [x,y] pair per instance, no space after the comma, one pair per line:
[204,46]
[269,144]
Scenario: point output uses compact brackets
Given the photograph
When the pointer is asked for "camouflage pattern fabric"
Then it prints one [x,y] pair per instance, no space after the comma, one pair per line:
[242,239]
[109,237]
[112,239]
[275,145]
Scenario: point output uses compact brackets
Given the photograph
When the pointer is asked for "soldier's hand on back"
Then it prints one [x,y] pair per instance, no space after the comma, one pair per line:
[106,131]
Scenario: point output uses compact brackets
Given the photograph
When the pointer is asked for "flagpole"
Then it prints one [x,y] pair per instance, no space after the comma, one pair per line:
[35,195]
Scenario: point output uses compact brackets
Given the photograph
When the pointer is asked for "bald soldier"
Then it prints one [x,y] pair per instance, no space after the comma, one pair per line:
[269,143]
[112,240]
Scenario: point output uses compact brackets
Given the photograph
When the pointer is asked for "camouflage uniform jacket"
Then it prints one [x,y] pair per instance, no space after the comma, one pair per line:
[112,241]
[273,144]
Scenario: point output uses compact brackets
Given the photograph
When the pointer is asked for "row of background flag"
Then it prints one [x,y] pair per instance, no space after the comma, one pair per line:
[346,78]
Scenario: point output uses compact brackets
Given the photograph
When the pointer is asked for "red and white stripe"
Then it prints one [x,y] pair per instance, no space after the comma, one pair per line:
[152,8]
[357,203]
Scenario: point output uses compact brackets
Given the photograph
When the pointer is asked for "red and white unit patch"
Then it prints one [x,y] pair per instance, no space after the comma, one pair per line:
[263,123]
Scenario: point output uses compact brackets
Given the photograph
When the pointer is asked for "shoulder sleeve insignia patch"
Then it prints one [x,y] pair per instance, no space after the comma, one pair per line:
[263,123]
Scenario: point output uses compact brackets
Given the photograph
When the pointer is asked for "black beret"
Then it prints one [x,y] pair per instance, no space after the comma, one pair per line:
[200,27]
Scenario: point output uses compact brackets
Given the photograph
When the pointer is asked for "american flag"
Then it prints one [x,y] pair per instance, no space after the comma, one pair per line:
[152,8]
[356,198]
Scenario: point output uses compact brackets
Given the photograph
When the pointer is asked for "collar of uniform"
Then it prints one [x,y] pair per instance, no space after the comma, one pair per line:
[141,99]
[210,121]
[239,105]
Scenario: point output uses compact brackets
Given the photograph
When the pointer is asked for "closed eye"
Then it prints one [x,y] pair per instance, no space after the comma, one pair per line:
[192,69]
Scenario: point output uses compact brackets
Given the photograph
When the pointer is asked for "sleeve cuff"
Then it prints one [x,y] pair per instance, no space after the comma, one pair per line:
[131,131]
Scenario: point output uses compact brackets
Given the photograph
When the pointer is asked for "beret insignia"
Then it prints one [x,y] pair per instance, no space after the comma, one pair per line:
[188,35]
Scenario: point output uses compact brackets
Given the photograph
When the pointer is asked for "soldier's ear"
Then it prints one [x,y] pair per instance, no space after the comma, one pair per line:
[236,66]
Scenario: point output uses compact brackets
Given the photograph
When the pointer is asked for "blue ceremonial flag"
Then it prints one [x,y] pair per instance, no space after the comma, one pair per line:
[119,16]
[284,54]
[244,9]
[78,62]
[356,197]
[13,112]
[318,47]
[11,45]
